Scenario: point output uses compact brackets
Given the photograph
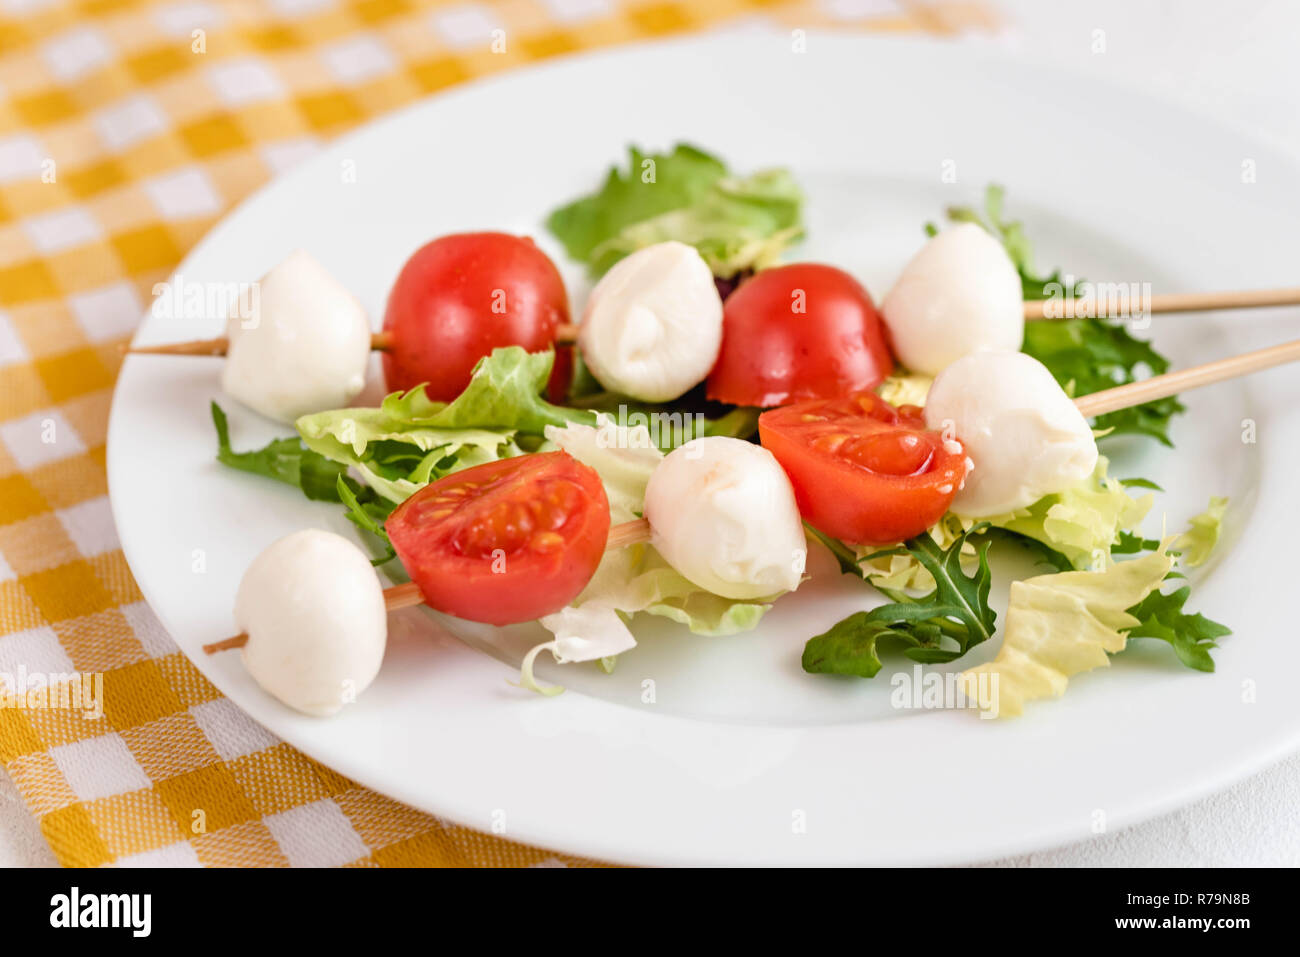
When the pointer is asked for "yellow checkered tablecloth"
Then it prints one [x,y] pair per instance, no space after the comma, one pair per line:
[126,129]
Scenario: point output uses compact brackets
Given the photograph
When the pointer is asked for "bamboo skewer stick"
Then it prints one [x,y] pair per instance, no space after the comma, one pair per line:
[1035,311]
[404,596]
[565,333]
[1171,383]
[1183,302]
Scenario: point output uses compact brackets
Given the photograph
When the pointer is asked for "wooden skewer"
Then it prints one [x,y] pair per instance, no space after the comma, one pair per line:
[565,333]
[1171,383]
[1035,309]
[408,594]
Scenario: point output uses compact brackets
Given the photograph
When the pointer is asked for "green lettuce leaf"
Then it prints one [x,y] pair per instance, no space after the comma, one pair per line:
[504,393]
[411,440]
[736,223]
[395,459]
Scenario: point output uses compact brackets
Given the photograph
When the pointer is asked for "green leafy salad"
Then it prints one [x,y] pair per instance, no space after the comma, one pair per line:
[1102,584]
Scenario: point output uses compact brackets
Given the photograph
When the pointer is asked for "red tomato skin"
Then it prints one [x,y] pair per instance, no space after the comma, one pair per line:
[773,355]
[461,296]
[847,501]
[503,588]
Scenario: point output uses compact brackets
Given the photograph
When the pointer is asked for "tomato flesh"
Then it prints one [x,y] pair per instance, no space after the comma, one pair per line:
[461,296]
[504,542]
[804,331]
[864,471]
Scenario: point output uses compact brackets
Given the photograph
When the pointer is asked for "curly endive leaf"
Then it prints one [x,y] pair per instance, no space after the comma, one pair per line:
[1060,625]
[1202,535]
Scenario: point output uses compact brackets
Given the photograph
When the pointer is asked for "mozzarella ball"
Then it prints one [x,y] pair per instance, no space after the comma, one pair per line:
[300,345]
[960,294]
[314,613]
[722,513]
[653,325]
[1025,436]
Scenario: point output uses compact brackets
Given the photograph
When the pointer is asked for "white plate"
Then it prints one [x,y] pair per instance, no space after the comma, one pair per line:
[741,757]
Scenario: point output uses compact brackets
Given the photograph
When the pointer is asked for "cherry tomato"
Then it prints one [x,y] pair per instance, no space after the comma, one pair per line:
[863,471]
[504,542]
[797,332]
[461,296]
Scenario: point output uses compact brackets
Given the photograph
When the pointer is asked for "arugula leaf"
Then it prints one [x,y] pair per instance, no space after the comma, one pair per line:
[850,562]
[1089,355]
[850,646]
[284,460]
[1140,483]
[319,478]
[1130,543]
[1192,636]
[956,612]
[736,223]
[1084,355]
[365,519]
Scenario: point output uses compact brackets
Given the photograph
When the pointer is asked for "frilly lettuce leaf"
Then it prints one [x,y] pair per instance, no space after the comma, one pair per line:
[1060,625]
[411,440]
[1202,535]
[737,223]
[395,460]
[1084,521]
[504,392]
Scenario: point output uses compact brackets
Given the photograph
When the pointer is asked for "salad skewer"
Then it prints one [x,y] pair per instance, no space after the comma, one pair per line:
[567,333]
[408,594]
[379,342]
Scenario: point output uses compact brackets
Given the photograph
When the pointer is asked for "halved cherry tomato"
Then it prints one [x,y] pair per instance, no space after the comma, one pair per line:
[461,296]
[797,332]
[863,471]
[504,542]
